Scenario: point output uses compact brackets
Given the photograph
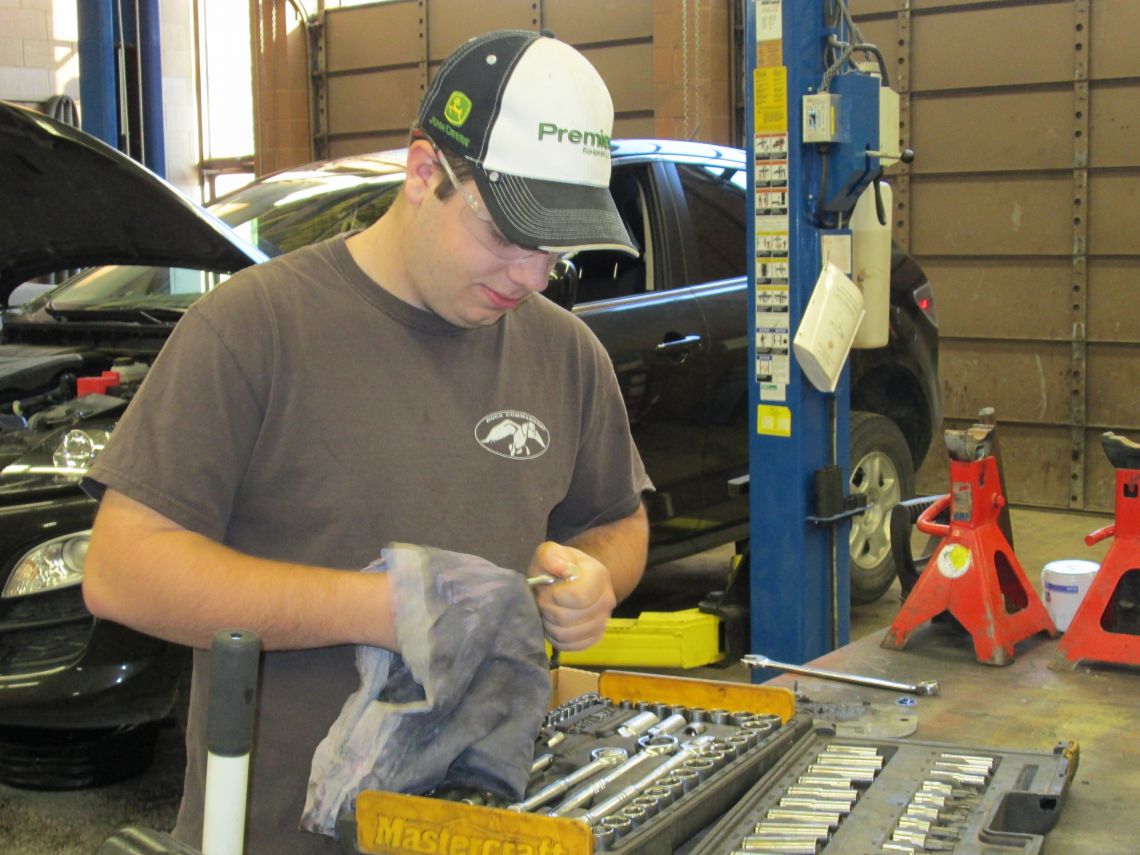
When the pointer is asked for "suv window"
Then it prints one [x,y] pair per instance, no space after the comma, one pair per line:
[603,274]
[716,199]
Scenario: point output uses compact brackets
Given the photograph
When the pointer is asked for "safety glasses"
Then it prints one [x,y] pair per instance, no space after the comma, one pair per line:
[477,220]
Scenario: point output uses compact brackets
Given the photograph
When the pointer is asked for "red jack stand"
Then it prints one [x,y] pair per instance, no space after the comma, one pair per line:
[1094,633]
[974,574]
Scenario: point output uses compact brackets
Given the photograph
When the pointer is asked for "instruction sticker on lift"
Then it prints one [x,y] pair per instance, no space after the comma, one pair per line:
[770,212]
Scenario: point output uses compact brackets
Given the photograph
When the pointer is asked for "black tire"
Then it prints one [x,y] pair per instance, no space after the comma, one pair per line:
[881,470]
[47,759]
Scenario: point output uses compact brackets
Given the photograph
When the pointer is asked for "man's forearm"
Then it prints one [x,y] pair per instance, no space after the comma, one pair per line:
[147,573]
[622,546]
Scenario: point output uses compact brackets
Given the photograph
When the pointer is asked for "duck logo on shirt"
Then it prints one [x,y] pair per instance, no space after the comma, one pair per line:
[513,434]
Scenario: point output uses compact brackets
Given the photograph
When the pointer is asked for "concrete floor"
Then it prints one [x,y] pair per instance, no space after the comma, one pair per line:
[75,823]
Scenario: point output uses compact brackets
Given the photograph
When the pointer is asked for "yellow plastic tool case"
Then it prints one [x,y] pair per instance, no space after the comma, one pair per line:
[585,705]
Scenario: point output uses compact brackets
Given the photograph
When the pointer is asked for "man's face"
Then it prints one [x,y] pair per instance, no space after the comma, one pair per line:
[461,266]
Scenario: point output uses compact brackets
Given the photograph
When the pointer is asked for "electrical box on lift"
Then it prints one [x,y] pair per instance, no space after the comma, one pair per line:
[821,112]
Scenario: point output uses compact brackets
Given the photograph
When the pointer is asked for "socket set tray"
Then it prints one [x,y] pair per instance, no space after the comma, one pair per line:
[687,764]
[615,776]
[859,796]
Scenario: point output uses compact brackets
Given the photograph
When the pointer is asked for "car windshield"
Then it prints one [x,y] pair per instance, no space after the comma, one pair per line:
[279,214]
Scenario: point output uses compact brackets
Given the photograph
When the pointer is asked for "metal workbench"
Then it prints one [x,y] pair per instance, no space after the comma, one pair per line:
[1031,704]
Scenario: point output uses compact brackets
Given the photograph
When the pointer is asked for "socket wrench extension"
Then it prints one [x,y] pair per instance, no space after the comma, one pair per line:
[926,687]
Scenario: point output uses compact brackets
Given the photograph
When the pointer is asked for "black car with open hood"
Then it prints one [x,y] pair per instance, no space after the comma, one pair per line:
[77,696]
[71,201]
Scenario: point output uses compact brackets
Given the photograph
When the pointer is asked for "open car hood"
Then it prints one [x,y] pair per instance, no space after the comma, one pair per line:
[68,200]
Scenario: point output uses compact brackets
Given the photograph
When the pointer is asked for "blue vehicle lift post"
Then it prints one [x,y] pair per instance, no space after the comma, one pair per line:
[120,51]
[799,582]
[99,112]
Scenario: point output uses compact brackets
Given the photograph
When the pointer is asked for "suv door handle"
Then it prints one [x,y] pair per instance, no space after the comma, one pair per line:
[687,342]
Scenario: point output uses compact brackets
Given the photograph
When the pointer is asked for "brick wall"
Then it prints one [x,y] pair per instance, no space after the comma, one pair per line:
[39,53]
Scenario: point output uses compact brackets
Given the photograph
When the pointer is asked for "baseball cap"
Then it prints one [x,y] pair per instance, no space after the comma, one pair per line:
[533,118]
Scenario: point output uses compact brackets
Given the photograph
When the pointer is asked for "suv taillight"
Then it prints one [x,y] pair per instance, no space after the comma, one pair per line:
[924,299]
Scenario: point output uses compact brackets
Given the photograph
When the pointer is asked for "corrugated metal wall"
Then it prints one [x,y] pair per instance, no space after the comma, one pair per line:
[377,59]
[1021,204]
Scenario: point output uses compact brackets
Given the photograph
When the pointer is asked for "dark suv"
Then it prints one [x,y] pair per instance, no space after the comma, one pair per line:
[78,697]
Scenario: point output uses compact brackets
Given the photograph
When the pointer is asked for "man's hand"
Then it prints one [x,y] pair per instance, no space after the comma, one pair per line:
[574,614]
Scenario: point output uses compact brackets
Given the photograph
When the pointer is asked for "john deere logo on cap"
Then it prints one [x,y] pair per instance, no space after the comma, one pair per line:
[458,108]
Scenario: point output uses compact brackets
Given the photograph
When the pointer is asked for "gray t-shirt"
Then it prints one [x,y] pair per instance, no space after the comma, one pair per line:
[300,412]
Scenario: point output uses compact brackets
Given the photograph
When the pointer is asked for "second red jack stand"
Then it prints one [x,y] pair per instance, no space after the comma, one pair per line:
[1100,630]
[974,573]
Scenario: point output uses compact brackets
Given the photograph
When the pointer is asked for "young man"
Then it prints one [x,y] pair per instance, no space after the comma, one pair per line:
[404,384]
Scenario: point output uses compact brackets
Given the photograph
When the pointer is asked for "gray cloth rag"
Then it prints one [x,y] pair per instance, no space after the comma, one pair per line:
[463,704]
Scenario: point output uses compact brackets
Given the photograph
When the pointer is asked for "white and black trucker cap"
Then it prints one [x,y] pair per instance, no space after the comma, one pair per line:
[533,118]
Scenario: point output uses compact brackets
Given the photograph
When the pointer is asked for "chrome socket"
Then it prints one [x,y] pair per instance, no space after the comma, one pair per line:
[620,825]
[936,787]
[832,782]
[777,847]
[831,818]
[971,760]
[668,724]
[660,743]
[730,750]
[849,761]
[862,776]
[651,805]
[750,736]
[604,838]
[934,800]
[760,726]
[856,750]
[963,768]
[741,743]
[637,814]
[930,814]
[703,766]
[823,794]
[815,804]
[688,777]
[977,781]
[821,830]
[661,795]
[639,724]
[674,785]
[719,758]
[765,833]
[541,763]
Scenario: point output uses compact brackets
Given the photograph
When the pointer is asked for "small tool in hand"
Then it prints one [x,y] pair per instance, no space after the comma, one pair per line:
[544,579]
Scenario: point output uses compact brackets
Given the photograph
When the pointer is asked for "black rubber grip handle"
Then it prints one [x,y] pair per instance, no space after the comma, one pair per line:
[233,692]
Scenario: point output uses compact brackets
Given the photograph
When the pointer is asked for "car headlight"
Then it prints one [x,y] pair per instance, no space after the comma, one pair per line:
[58,563]
[63,457]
